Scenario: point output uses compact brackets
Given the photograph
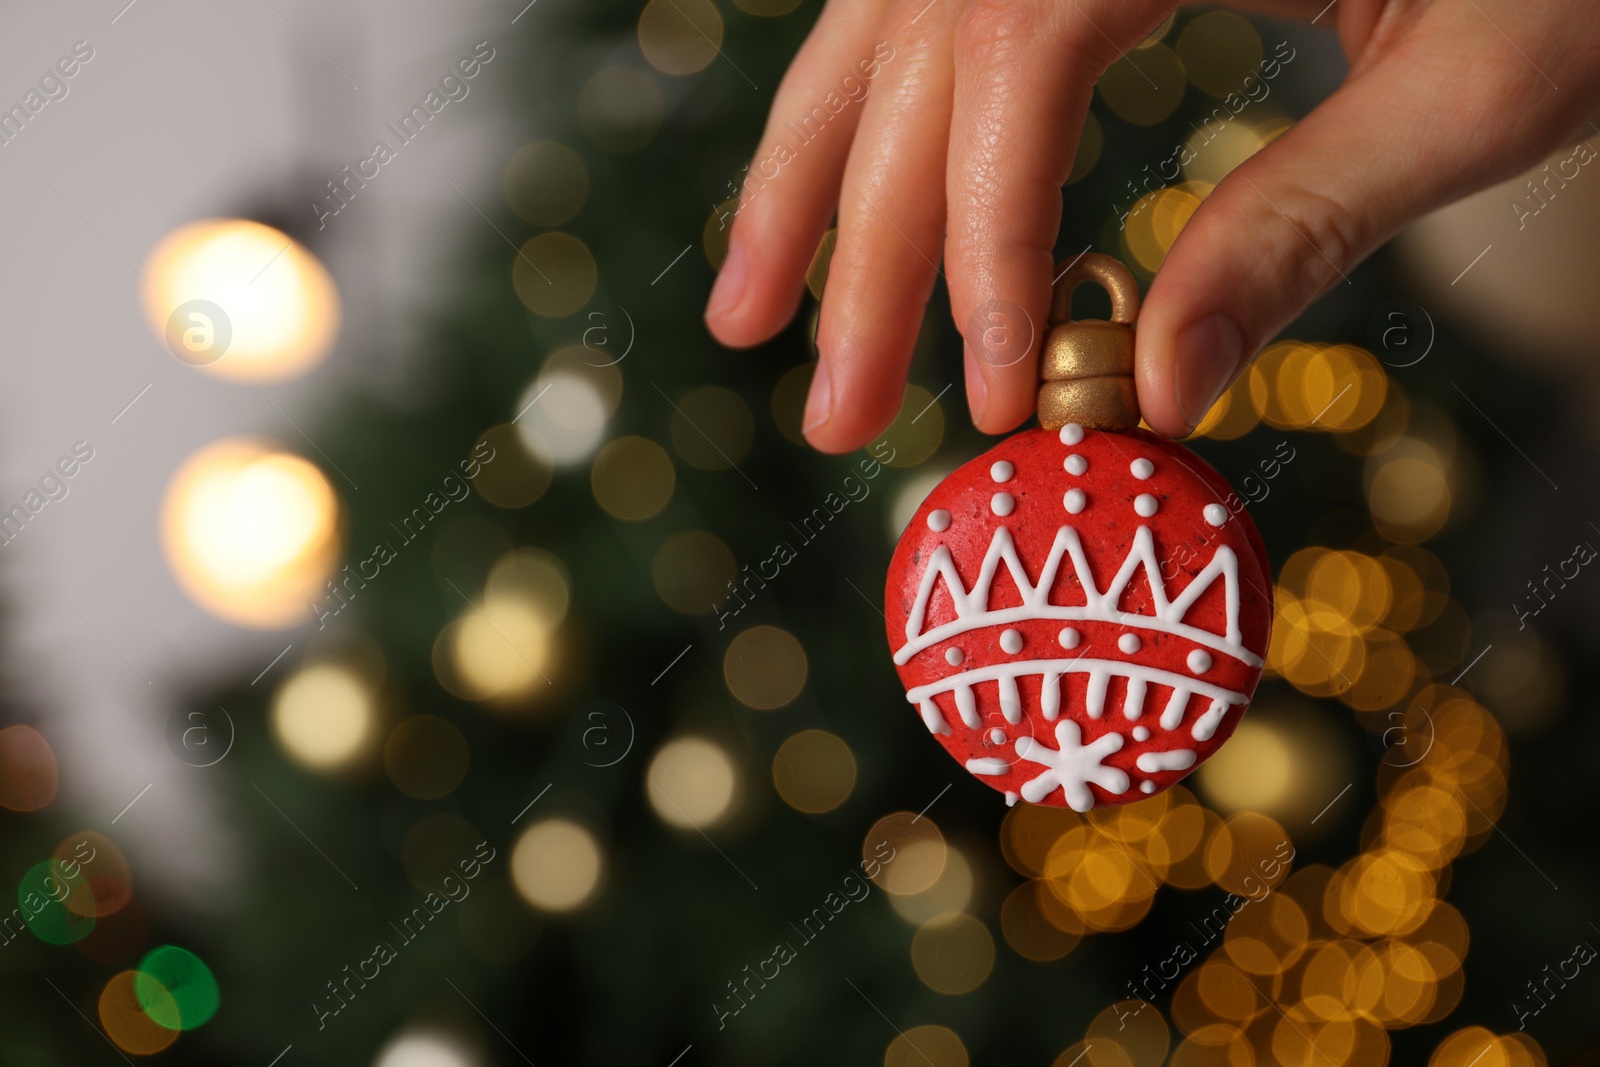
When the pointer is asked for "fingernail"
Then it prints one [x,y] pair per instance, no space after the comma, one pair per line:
[977,387]
[729,289]
[1207,357]
[819,404]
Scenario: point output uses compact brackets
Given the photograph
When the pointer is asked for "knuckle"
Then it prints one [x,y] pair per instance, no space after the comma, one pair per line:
[1331,237]
[991,29]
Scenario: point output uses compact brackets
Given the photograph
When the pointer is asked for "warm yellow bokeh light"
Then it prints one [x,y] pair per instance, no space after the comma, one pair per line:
[497,650]
[545,183]
[814,771]
[765,667]
[620,109]
[323,716]
[279,308]
[557,865]
[692,783]
[632,478]
[926,1046]
[126,1022]
[251,532]
[952,954]
[951,892]
[554,274]
[680,36]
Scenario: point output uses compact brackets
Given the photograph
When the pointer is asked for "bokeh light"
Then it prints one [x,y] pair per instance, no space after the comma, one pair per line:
[545,183]
[498,650]
[1285,761]
[515,476]
[952,954]
[952,891]
[926,1046]
[1219,51]
[126,1022]
[57,904]
[693,783]
[425,1048]
[814,771]
[426,757]
[632,478]
[562,414]
[28,772]
[324,716]
[105,871]
[712,428]
[909,850]
[279,305]
[557,865]
[917,429]
[680,36]
[251,533]
[1157,218]
[554,274]
[620,109]
[691,571]
[176,989]
[764,667]
[1144,86]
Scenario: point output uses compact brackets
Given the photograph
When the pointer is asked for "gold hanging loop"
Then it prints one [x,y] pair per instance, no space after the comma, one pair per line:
[1087,364]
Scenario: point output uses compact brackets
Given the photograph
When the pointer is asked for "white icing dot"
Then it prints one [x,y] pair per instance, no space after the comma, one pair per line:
[1216,514]
[1141,733]
[1145,505]
[1199,661]
[939,520]
[1076,464]
[1142,468]
[1002,503]
[1002,471]
[1147,786]
[1068,637]
[1074,501]
[1071,433]
[1129,643]
[997,736]
[1011,641]
[954,656]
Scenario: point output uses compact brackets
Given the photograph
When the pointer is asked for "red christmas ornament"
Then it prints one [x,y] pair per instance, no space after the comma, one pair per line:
[1080,615]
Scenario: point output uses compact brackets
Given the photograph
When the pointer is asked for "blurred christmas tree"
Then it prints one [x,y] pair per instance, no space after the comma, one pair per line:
[595,742]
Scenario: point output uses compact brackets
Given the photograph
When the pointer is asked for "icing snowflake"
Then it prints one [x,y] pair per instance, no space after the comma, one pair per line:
[1073,767]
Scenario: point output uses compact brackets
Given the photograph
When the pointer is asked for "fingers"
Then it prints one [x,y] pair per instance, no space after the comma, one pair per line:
[1296,218]
[1025,70]
[891,231]
[792,185]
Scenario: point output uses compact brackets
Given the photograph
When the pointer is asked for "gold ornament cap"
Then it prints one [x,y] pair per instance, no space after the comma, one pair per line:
[1087,364]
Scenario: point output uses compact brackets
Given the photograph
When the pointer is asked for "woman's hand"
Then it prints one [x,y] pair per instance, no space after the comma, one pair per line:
[959,129]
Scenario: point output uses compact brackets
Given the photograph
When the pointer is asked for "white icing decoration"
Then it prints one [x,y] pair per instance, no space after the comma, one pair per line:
[1100,672]
[1142,468]
[973,612]
[954,656]
[1002,470]
[1147,786]
[1050,695]
[1199,661]
[1011,641]
[1094,699]
[997,736]
[1215,514]
[1002,503]
[1072,767]
[1076,464]
[1011,799]
[938,520]
[1178,759]
[1071,433]
[1010,699]
[1173,714]
[1074,501]
[988,765]
[1141,733]
[1133,703]
[1206,725]
[931,717]
[1129,643]
[967,706]
[1068,637]
[1145,505]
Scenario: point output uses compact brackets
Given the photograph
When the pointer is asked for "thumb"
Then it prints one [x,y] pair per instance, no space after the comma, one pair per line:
[1441,114]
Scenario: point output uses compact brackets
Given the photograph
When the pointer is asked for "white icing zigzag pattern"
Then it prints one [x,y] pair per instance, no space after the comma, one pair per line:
[973,611]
